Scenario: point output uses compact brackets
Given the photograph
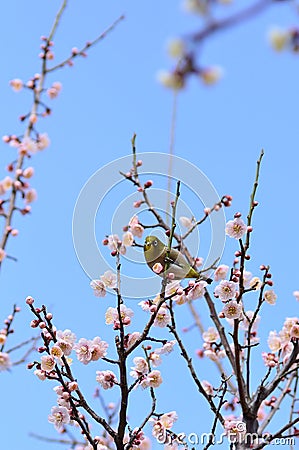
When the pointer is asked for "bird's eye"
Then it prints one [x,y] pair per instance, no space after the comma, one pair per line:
[155,243]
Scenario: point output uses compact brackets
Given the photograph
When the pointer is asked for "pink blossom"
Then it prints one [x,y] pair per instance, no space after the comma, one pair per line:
[186,222]
[112,316]
[47,363]
[98,287]
[132,338]
[135,227]
[43,141]
[270,360]
[232,310]
[236,228]
[255,283]
[211,335]
[207,387]
[88,351]
[106,378]
[168,419]
[141,366]
[270,297]
[113,242]
[28,145]
[221,272]
[128,239]
[5,362]
[294,332]
[16,84]
[158,268]
[40,374]
[154,379]
[59,416]
[296,295]
[66,340]
[166,348]
[109,279]
[57,353]
[162,318]
[155,359]
[274,341]
[30,196]
[225,290]
[28,172]
[99,348]
[197,291]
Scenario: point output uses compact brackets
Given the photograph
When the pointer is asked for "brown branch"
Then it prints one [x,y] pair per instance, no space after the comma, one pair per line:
[87,46]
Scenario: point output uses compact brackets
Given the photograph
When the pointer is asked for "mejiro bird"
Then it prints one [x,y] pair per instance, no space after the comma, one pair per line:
[155,253]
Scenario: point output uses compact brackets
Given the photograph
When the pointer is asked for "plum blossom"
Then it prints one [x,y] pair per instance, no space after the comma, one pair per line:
[296,295]
[106,378]
[128,239]
[270,360]
[207,387]
[235,228]
[16,84]
[59,416]
[270,297]
[247,276]
[57,353]
[274,341]
[43,141]
[235,429]
[135,227]
[155,359]
[153,379]
[99,288]
[255,283]
[197,291]
[131,338]
[176,49]
[232,310]
[162,318]
[158,268]
[113,242]
[109,279]
[5,362]
[141,365]
[225,290]
[166,348]
[210,335]
[30,196]
[186,222]
[294,332]
[88,350]
[112,316]
[47,363]
[168,419]
[221,272]
[211,75]
[66,340]
[40,374]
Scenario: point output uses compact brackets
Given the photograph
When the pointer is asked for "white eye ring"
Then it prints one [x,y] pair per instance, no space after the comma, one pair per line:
[155,243]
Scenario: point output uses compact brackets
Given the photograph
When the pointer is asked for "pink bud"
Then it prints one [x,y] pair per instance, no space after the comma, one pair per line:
[139,163]
[237,215]
[29,300]
[249,229]
[49,316]
[148,184]
[207,211]
[42,325]
[247,257]
[14,232]
[140,189]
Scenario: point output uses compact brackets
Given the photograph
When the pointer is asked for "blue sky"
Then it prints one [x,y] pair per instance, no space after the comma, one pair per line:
[105,98]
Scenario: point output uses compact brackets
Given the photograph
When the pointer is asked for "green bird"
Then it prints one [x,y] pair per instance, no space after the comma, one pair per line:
[155,253]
